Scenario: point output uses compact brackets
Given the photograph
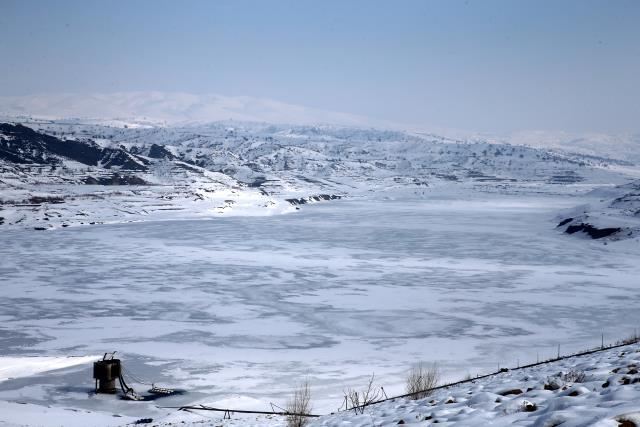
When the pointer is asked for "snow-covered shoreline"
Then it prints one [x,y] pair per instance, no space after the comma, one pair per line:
[551,394]
[601,388]
[597,389]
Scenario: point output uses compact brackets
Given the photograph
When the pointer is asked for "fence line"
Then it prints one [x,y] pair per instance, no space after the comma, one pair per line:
[530,365]
[228,412]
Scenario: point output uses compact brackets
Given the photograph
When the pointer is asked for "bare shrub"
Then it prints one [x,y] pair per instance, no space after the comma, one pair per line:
[574,377]
[360,400]
[299,406]
[421,380]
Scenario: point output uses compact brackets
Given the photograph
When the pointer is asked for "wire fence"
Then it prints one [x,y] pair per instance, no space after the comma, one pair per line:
[228,412]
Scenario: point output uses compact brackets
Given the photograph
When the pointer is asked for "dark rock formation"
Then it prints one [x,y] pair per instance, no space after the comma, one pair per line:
[160,152]
[21,144]
[319,197]
[564,222]
[115,179]
[593,232]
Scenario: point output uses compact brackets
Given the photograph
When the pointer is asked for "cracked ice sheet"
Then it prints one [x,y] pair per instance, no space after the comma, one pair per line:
[249,306]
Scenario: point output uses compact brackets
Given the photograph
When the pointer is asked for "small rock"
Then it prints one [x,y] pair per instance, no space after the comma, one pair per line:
[514,391]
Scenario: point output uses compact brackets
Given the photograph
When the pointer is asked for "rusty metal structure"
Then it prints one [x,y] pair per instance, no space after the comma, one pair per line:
[106,372]
[110,369]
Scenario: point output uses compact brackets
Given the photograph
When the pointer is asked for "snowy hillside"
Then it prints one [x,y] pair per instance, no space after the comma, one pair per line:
[616,214]
[48,182]
[59,173]
[621,147]
[599,389]
[246,150]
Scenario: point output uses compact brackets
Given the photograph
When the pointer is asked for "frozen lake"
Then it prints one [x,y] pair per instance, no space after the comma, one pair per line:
[251,305]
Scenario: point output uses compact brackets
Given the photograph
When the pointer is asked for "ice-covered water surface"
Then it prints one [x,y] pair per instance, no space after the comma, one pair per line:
[249,306]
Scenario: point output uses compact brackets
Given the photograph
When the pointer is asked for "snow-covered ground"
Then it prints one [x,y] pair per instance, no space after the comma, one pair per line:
[442,250]
[239,309]
[601,389]
[616,209]
[547,395]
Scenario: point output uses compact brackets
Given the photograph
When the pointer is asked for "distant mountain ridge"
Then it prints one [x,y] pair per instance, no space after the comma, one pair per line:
[296,156]
[162,109]
[231,167]
[170,108]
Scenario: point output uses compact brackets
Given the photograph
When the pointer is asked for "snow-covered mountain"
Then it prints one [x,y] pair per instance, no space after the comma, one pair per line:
[162,108]
[621,147]
[76,171]
[153,109]
[49,182]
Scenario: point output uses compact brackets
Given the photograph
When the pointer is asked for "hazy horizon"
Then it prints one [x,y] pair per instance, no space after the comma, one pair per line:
[493,66]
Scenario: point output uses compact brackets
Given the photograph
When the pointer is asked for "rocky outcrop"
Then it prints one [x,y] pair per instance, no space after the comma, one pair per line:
[160,152]
[20,144]
[311,199]
[115,179]
[593,232]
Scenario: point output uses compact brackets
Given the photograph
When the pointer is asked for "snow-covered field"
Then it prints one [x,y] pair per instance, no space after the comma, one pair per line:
[599,389]
[239,309]
[546,395]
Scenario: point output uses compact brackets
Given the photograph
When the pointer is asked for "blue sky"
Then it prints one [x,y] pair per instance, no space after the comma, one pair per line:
[494,66]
